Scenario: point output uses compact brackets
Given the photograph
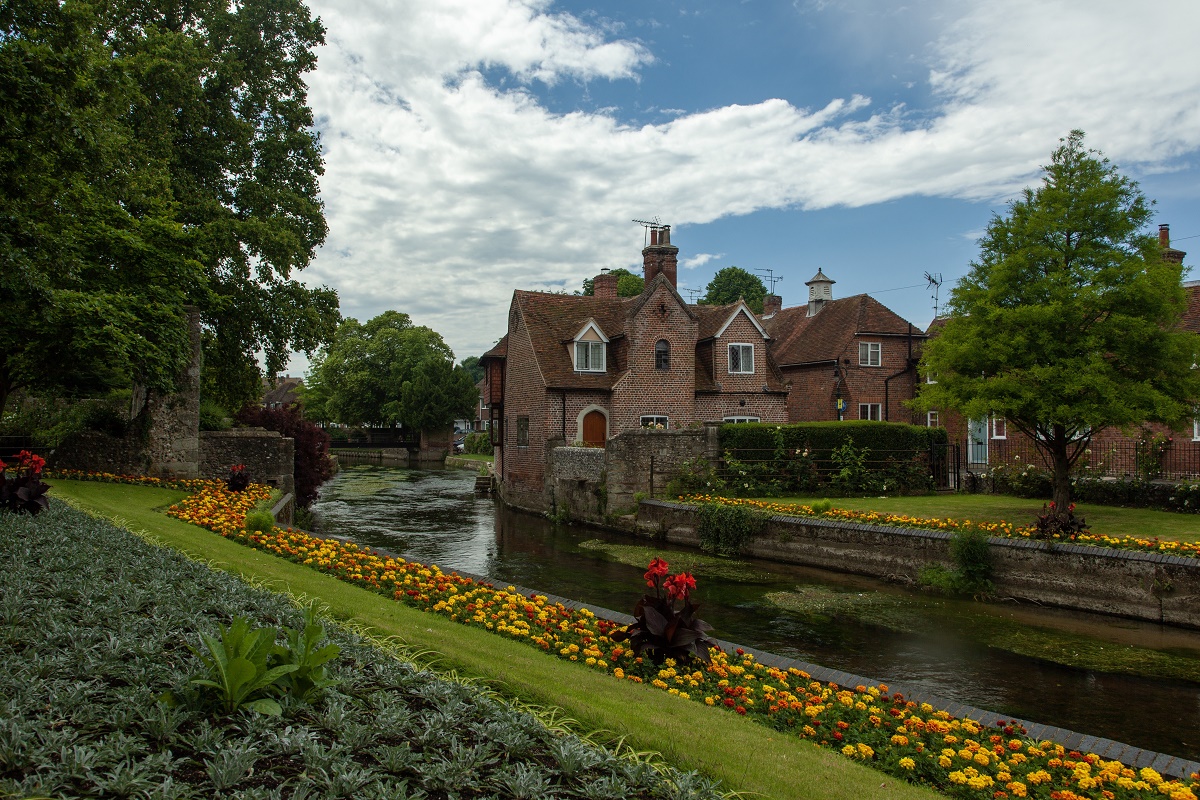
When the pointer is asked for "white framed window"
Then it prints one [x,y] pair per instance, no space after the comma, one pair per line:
[589,356]
[740,419]
[741,359]
[929,378]
[932,420]
[999,428]
[1196,429]
[656,421]
[870,411]
[870,354]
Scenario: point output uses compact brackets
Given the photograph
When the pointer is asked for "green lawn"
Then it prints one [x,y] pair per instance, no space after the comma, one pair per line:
[747,756]
[1109,520]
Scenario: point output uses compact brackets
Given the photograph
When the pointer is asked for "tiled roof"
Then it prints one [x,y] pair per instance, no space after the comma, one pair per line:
[1191,315]
[499,351]
[553,320]
[801,339]
[283,392]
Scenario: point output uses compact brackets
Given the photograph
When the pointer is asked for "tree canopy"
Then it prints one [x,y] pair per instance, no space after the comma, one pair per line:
[387,372]
[155,156]
[732,283]
[629,284]
[1067,323]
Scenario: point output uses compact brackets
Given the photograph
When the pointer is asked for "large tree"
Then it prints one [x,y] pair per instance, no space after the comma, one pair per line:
[225,108]
[732,283]
[1067,324]
[95,269]
[387,372]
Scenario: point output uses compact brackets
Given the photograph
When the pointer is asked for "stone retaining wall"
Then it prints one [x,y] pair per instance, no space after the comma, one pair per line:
[1146,586]
[269,456]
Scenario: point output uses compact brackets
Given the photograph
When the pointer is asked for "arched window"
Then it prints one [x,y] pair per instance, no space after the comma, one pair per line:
[662,354]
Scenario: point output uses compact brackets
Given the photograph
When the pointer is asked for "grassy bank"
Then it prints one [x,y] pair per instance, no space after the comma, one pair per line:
[745,755]
[1109,520]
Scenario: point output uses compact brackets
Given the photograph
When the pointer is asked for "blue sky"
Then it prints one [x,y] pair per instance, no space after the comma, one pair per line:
[474,147]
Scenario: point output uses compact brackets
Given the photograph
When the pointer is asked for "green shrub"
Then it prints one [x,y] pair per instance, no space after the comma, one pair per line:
[479,444]
[726,530]
[259,520]
[973,567]
[694,476]
[213,417]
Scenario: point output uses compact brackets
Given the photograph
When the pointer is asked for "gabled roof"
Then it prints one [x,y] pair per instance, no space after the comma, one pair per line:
[555,319]
[283,392]
[499,351]
[801,339]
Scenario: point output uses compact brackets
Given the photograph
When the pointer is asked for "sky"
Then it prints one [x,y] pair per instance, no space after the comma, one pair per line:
[476,147]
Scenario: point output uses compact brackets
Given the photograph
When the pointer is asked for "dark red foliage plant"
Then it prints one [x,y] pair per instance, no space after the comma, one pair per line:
[21,485]
[238,480]
[660,628]
[313,465]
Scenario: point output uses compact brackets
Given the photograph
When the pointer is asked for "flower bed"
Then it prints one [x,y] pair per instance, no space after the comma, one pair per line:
[1002,529]
[960,757]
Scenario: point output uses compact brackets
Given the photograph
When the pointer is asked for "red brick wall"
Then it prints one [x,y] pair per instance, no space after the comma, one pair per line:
[813,389]
[524,395]
[741,394]
[646,389]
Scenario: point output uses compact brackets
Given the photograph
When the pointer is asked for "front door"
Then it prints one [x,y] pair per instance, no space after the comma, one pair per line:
[977,443]
[595,428]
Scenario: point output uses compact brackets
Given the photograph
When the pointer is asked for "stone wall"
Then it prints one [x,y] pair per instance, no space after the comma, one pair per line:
[644,461]
[1146,586]
[269,456]
[172,441]
[576,483]
[93,451]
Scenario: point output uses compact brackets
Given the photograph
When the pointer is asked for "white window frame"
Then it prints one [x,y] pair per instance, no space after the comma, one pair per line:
[1196,429]
[870,354]
[741,359]
[740,419]
[587,353]
[932,420]
[652,420]
[872,408]
[999,426]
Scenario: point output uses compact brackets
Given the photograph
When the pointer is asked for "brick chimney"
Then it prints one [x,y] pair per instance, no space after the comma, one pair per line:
[1164,241]
[772,304]
[660,256]
[604,285]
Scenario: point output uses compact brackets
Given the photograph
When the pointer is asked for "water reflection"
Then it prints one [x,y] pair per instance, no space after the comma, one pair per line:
[912,638]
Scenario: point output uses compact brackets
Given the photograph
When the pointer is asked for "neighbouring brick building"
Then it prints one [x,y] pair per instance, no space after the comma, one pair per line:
[852,358]
[991,441]
[576,368]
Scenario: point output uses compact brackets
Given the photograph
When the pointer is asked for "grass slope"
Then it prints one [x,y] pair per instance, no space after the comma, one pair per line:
[747,756]
[1109,520]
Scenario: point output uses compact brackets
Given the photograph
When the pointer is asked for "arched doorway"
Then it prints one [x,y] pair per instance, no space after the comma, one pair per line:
[595,428]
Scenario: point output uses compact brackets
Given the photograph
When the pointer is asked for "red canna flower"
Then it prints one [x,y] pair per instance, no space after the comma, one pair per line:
[680,586]
[658,569]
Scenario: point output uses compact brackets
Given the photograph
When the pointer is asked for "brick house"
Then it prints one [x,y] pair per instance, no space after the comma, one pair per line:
[990,441]
[852,358]
[576,368]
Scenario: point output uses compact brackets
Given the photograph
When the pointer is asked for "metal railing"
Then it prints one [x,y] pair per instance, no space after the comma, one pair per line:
[1145,459]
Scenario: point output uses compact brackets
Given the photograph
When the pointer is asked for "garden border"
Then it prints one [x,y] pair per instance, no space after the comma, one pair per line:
[1154,587]
[1136,757]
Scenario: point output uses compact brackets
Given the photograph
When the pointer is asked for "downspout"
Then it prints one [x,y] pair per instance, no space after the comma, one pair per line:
[564,416]
[908,365]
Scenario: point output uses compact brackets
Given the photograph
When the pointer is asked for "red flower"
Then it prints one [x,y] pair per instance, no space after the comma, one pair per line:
[658,569]
[679,586]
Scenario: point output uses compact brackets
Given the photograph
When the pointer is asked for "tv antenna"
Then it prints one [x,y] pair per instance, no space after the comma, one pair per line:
[769,274]
[935,283]
[652,225]
[693,294]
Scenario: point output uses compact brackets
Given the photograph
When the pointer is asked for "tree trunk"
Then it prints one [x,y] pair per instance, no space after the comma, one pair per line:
[1061,495]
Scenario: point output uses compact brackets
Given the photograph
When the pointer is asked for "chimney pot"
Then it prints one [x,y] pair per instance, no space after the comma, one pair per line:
[653,236]
[1164,235]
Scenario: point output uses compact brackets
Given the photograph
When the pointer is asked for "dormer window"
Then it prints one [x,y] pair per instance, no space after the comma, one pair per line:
[589,356]
[741,359]
[590,349]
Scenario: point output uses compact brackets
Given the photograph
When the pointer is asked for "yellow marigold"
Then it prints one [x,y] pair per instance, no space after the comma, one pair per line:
[907,763]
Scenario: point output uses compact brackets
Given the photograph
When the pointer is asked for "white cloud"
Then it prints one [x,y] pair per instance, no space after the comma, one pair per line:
[445,192]
[699,260]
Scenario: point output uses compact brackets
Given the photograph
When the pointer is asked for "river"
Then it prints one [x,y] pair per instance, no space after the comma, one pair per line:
[1130,681]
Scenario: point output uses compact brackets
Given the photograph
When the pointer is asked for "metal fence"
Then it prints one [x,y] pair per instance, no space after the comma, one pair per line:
[1170,459]
[751,473]
[11,445]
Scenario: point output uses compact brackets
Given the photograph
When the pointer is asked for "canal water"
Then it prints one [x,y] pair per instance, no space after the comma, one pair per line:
[1129,681]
